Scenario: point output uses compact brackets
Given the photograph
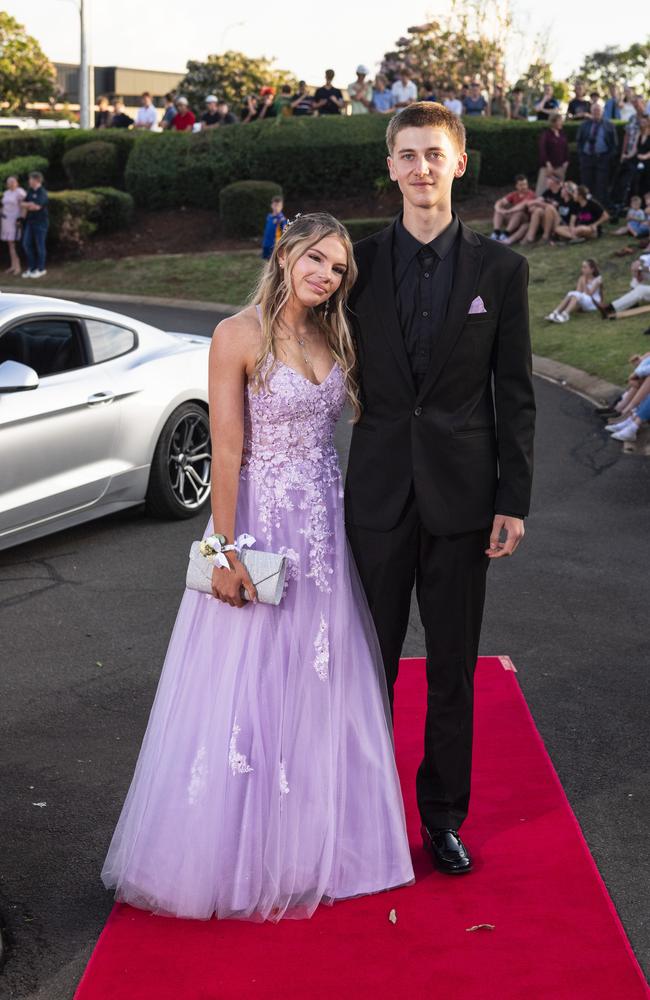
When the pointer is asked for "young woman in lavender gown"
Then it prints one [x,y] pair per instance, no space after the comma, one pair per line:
[266,783]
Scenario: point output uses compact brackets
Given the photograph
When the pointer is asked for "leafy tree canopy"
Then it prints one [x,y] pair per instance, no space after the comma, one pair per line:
[616,65]
[26,74]
[231,76]
[468,42]
[533,80]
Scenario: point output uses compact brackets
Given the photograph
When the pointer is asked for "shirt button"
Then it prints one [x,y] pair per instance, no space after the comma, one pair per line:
[426,274]
[425,313]
[417,411]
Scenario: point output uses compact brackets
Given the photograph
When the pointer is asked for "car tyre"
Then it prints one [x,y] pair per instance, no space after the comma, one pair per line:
[179,479]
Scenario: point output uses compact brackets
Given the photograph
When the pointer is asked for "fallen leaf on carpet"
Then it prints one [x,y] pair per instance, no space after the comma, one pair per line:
[41,805]
[99,663]
[481,927]
[392,916]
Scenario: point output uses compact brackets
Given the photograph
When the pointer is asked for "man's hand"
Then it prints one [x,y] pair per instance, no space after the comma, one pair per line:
[227,584]
[513,530]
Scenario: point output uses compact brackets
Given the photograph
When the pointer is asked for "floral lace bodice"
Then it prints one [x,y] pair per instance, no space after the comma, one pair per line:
[290,459]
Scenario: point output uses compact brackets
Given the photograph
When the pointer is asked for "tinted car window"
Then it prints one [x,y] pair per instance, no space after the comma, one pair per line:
[49,346]
[108,340]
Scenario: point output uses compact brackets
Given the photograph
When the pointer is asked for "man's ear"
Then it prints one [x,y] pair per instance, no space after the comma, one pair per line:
[461,165]
[391,168]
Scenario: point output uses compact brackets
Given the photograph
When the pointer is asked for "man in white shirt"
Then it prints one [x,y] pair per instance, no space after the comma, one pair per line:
[360,92]
[452,103]
[147,116]
[404,90]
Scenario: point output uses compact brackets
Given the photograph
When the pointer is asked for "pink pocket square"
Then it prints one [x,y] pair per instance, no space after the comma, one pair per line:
[477,306]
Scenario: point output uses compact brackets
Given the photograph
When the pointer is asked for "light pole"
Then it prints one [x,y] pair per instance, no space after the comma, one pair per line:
[86,73]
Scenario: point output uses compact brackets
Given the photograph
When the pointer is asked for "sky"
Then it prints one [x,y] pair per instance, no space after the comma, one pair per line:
[163,35]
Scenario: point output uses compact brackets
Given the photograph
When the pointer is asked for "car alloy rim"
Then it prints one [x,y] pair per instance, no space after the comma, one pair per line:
[189,460]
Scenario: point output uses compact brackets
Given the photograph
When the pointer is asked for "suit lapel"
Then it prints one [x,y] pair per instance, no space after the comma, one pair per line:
[468,268]
[383,287]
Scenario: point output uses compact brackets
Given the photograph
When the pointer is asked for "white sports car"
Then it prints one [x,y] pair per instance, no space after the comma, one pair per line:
[97,412]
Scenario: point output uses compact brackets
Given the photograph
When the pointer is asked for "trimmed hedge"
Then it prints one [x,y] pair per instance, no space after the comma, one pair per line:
[75,216]
[360,228]
[90,164]
[116,209]
[21,167]
[244,205]
[52,144]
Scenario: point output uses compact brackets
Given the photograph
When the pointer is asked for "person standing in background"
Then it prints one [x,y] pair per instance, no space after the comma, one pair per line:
[518,110]
[579,106]
[120,118]
[404,90]
[12,200]
[597,147]
[360,92]
[612,109]
[302,102]
[276,221]
[553,152]
[328,99]
[184,118]
[547,104]
[147,117]
[452,103]
[383,100]
[499,106]
[35,226]
[103,114]
[282,104]
[475,105]
[210,118]
[169,113]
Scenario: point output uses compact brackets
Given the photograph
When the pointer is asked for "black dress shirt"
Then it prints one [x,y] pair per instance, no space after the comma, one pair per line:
[424,275]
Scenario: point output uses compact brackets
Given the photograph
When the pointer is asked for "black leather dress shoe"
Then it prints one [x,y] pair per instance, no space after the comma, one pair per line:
[447,850]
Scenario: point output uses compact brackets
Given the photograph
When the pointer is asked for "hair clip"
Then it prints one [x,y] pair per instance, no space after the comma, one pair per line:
[295,219]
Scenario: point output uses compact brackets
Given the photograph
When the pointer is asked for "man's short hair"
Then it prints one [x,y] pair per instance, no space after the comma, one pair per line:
[276,199]
[169,97]
[145,93]
[329,74]
[520,177]
[421,114]
[555,116]
[36,175]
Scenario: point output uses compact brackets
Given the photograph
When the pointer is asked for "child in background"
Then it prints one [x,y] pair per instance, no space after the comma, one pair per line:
[634,219]
[275,223]
[587,293]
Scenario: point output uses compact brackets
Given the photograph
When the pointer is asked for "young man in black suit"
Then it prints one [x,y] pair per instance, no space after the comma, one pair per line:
[440,465]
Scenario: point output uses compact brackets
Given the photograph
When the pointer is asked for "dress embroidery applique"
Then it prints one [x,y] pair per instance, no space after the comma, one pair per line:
[290,458]
[198,775]
[284,784]
[322,647]
[238,762]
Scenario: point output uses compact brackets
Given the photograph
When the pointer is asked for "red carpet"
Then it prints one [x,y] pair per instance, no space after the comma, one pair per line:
[556,934]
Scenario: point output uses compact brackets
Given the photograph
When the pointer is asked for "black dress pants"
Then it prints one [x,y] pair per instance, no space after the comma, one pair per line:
[449,573]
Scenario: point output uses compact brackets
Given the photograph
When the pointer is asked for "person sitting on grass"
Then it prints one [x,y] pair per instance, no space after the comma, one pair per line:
[276,222]
[510,214]
[639,293]
[584,298]
[633,408]
[589,218]
[544,211]
[633,217]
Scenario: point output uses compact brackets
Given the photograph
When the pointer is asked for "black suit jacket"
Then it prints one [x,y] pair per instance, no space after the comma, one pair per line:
[464,442]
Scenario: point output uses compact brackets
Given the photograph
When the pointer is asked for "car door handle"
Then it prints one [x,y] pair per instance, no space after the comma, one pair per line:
[100,397]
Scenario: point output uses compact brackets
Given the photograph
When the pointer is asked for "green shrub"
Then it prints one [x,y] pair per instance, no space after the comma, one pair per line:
[116,209]
[122,140]
[21,167]
[244,205]
[90,164]
[75,216]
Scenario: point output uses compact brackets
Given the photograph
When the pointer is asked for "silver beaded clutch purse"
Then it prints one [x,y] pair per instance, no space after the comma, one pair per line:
[266,569]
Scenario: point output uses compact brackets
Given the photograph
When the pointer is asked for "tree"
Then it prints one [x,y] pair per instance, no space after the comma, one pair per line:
[468,42]
[616,65]
[533,80]
[26,74]
[231,76]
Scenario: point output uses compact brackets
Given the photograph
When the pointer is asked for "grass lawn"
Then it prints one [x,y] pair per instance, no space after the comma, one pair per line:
[227,277]
[598,347]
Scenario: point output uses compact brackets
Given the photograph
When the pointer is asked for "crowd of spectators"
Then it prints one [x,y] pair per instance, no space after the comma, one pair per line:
[631,411]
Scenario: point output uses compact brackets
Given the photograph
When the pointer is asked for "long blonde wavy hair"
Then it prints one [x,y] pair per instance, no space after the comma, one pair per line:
[275,287]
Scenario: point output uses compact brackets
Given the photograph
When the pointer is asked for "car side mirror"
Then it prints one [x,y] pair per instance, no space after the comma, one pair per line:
[16,377]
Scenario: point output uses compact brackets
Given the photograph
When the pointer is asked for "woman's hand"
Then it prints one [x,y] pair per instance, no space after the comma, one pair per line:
[227,584]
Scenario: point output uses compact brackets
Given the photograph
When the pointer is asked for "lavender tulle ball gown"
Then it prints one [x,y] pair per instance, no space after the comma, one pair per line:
[266,783]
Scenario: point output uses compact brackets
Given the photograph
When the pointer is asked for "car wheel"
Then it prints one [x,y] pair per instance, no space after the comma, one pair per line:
[179,481]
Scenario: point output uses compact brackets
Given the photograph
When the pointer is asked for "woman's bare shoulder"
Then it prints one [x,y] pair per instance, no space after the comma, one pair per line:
[238,335]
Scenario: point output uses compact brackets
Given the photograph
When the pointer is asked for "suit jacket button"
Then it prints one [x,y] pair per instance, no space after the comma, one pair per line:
[417,411]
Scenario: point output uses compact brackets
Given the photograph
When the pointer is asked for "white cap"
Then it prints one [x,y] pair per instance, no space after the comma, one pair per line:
[362,69]
[182,100]
[211,98]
